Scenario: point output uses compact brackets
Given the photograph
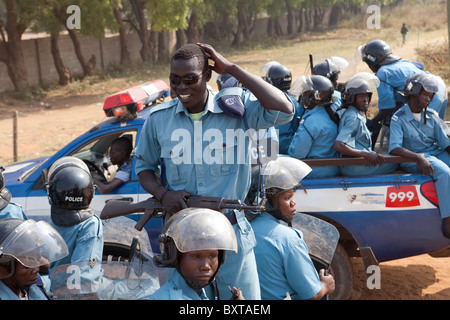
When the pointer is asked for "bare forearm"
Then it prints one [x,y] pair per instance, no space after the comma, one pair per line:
[151,182]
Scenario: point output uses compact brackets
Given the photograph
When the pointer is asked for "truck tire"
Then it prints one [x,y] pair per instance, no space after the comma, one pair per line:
[342,272]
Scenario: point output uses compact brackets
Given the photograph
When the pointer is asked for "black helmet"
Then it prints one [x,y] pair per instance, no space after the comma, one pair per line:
[327,69]
[415,83]
[70,184]
[318,91]
[279,76]
[377,53]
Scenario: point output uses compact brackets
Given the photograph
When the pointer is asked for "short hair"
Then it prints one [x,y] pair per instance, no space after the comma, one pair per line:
[124,143]
[189,51]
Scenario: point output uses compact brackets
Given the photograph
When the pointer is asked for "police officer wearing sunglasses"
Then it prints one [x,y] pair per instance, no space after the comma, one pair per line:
[199,116]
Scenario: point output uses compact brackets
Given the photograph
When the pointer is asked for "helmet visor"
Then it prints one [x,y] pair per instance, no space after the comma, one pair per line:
[429,83]
[66,161]
[284,173]
[302,84]
[202,229]
[266,67]
[340,62]
[34,244]
[357,80]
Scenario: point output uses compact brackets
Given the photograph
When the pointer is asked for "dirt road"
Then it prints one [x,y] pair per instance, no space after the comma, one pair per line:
[44,129]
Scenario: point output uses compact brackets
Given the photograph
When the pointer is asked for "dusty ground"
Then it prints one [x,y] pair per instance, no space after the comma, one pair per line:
[45,128]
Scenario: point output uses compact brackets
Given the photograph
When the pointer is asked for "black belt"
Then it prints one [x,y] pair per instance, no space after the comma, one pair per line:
[231,216]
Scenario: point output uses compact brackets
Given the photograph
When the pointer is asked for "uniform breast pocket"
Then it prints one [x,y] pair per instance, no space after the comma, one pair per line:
[225,158]
[175,160]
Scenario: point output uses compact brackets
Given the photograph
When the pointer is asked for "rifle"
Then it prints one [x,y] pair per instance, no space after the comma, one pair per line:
[151,206]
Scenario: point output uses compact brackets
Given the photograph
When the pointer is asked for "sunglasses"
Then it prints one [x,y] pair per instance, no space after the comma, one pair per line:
[189,80]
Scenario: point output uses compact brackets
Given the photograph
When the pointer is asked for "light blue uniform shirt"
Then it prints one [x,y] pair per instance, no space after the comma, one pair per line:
[286,131]
[355,134]
[34,293]
[392,79]
[314,139]
[85,243]
[408,133]
[283,261]
[176,288]
[13,210]
[209,157]
[429,139]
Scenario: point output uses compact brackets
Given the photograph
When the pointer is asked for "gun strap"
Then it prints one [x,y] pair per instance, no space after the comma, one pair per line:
[231,216]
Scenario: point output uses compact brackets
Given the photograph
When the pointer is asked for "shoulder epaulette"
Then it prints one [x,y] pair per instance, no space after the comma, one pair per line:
[399,113]
[164,105]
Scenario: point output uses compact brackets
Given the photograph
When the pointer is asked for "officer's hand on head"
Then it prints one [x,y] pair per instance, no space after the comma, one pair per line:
[174,201]
[221,65]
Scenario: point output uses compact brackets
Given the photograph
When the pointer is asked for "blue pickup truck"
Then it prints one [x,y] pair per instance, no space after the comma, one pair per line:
[379,218]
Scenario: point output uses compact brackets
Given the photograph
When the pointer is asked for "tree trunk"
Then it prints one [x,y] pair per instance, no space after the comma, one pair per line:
[180,34]
[163,50]
[63,72]
[290,18]
[123,30]
[142,31]
[87,66]
[153,44]
[11,52]
[194,32]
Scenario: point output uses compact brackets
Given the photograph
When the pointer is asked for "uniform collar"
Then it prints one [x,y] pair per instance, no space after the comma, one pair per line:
[210,106]
[182,288]
[409,115]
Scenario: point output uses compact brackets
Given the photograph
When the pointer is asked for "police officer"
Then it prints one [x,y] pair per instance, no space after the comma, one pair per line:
[70,190]
[25,245]
[284,264]
[194,241]
[317,130]
[393,72]
[331,69]
[7,208]
[416,133]
[281,77]
[354,138]
[198,111]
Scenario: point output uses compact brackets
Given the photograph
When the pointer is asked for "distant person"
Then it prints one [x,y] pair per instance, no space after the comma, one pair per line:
[404,30]
[119,153]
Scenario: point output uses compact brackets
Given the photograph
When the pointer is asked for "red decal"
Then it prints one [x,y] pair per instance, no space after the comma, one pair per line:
[405,196]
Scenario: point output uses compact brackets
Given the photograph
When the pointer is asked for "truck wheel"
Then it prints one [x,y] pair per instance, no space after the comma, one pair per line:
[341,270]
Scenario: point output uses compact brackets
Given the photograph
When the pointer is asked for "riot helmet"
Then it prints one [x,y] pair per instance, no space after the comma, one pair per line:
[279,76]
[415,83]
[327,69]
[70,184]
[314,90]
[377,53]
[362,82]
[5,195]
[194,229]
[32,243]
